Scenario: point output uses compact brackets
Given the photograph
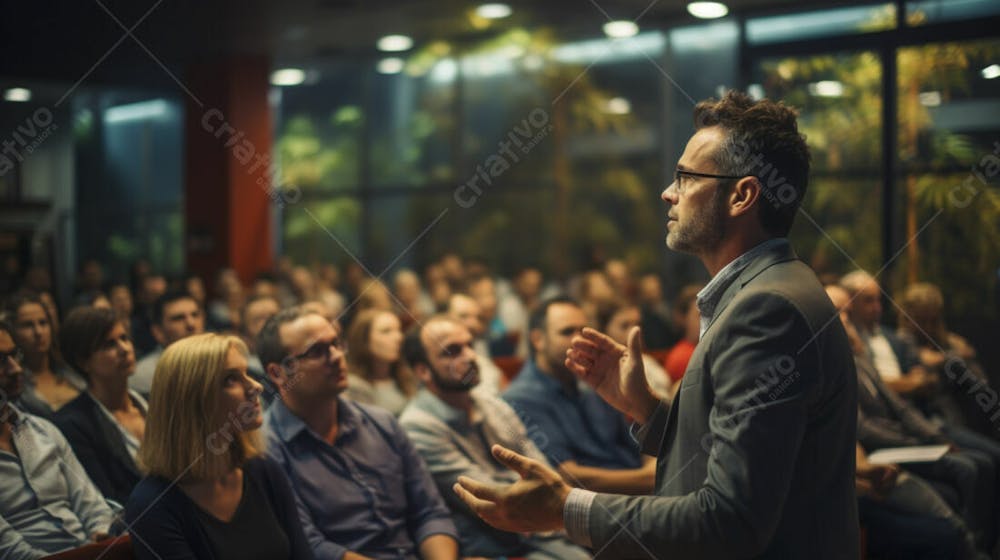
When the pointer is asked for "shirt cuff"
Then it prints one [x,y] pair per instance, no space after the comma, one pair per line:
[576,515]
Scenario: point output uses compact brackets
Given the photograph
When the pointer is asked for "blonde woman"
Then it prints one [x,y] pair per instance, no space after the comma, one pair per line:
[208,492]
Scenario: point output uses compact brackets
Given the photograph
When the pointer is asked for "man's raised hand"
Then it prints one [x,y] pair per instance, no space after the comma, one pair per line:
[532,504]
[614,371]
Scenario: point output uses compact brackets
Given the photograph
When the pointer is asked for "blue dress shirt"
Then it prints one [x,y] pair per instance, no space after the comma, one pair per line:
[369,492]
[571,426]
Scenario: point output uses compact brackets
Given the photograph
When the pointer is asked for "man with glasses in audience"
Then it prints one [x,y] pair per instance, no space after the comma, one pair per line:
[47,503]
[755,456]
[362,489]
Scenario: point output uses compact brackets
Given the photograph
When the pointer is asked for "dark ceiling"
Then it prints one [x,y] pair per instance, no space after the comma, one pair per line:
[53,41]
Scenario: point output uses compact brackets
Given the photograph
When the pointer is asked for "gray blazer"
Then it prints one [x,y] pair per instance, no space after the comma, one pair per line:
[756,454]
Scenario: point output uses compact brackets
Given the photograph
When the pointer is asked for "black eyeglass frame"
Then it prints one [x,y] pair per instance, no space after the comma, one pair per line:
[679,172]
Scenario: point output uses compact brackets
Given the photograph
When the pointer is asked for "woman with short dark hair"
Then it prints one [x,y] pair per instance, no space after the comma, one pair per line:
[106,423]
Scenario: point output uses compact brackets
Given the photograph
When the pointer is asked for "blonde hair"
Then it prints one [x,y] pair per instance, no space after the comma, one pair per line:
[186,437]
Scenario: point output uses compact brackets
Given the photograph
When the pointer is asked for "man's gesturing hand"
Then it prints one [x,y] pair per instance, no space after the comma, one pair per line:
[532,504]
[614,371]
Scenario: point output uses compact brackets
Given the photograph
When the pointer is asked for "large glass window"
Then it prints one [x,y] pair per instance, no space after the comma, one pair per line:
[839,97]
[949,201]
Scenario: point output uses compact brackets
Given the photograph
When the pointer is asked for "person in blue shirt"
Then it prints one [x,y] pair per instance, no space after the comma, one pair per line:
[362,489]
[47,503]
[582,435]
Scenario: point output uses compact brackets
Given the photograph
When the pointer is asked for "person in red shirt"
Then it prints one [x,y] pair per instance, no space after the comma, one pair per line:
[687,318]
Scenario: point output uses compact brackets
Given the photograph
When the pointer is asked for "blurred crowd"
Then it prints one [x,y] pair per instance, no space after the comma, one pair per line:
[103,354]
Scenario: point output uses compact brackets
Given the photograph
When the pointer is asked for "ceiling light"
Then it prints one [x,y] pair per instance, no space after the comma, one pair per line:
[620,29]
[390,66]
[618,106]
[394,43]
[826,88]
[930,98]
[707,10]
[288,77]
[493,11]
[992,71]
[18,94]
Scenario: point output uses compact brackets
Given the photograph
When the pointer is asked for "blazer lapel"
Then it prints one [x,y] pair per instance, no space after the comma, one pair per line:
[778,254]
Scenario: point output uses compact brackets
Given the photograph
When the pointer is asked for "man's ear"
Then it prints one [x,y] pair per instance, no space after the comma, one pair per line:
[159,335]
[423,373]
[275,372]
[746,193]
[536,337]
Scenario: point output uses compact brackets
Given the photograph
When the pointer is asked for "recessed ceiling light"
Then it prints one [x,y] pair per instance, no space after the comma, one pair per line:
[707,10]
[826,88]
[618,106]
[390,66]
[18,94]
[493,11]
[394,43]
[620,29]
[992,71]
[288,77]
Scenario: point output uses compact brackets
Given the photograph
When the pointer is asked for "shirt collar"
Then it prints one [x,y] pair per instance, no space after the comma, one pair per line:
[548,382]
[710,296]
[443,411]
[288,426]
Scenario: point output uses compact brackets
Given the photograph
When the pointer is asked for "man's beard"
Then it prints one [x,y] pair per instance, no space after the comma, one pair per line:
[464,384]
[704,230]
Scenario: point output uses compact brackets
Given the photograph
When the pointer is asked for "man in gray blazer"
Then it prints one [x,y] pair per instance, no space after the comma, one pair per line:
[755,458]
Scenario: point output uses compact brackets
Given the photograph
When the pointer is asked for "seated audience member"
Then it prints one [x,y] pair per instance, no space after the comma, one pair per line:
[255,312]
[121,303]
[49,384]
[895,361]
[658,331]
[416,305]
[223,312]
[466,311]
[148,288]
[438,288]
[596,293]
[374,295]
[483,289]
[688,319]
[905,518]
[886,420]
[578,432]
[175,315]
[47,503]
[97,300]
[454,427]
[328,286]
[950,356]
[515,306]
[377,374]
[209,493]
[105,424]
[362,489]
[616,321]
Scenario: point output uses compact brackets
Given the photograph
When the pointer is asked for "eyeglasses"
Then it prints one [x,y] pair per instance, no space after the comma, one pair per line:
[680,173]
[16,354]
[320,350]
